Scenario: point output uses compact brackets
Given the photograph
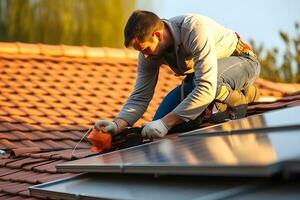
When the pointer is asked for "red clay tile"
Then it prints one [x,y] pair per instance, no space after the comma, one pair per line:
[26,135]
[33,112]
[80,153]
[5,161]
[41,120]
[51,127]
[50,112]
[77,134]
[31,167]
[25,120]
[6,144]
[19,177]
[290,98]
[24,194]
[39,143]
[296,93]
[14,111]
[32,177]
[55,144]
[14,97]
[8,104]
[6,171]
[12,197]
[9,48]
[64,156]
[43,135]
[46,155]
[4,128]
[82,121]
[267,106]
[22,151]
[13,187]
[294,103]
[50,167]
[22,162]
[2,111]
[17,126]
[9,119]
[65,135]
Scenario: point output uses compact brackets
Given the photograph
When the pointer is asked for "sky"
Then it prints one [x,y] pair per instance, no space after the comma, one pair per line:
[259,20]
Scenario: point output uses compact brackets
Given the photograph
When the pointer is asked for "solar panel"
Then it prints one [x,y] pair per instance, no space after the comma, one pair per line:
[292,166]
[275,120]
[129,186]
[246,155]
[275,191]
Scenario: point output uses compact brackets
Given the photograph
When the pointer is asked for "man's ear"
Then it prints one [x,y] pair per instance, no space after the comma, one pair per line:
[158,34]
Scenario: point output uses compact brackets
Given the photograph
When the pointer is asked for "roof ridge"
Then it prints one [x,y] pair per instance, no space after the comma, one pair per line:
[277,86]
[66,50]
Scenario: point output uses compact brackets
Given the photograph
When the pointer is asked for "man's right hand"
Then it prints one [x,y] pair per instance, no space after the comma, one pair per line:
[109,127]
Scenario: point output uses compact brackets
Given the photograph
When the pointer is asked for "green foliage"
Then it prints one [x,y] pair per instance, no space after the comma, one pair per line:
[72,22]
[288,70]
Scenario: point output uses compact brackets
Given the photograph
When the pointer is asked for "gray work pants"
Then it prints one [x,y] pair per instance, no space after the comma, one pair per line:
[234,72]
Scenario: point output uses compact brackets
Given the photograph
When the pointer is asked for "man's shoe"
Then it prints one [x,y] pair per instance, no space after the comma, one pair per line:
[252,93]
[234,107]
[231,113]
[221,107]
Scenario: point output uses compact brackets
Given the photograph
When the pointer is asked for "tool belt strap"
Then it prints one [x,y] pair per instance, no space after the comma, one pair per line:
[243,48]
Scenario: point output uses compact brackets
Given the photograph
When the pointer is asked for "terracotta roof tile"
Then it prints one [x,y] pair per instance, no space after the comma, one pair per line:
[13,197]
[8,136]
[21,162]
[293,103]
[5,161]
[25,136]
[34,166]
[14,187]
[49,168]
[51,94]
[268,88]
[6,144]
[22,151]
[32,177]
[6,171]
[16,126]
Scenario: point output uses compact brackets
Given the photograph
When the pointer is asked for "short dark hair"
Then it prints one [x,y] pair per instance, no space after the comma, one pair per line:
[140,25]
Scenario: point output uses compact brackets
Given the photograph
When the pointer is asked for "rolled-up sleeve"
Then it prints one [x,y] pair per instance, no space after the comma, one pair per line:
[138,101]
[199,41]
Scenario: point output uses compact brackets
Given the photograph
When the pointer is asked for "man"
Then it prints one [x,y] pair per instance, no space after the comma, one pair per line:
[217,65]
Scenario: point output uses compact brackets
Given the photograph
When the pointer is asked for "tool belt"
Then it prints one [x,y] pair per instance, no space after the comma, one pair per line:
[243,49]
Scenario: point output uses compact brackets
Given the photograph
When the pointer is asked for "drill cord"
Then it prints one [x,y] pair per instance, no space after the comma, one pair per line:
[88,131]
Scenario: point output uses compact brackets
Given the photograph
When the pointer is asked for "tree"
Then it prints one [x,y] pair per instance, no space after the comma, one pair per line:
[289,69]
[72,22]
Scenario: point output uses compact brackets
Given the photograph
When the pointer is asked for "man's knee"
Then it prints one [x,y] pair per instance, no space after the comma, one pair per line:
[234,98]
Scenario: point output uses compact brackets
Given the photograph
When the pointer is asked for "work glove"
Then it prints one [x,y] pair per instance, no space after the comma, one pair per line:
[155,129]
[109,127]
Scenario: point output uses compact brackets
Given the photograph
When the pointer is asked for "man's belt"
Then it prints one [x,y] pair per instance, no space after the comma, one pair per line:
[243,48]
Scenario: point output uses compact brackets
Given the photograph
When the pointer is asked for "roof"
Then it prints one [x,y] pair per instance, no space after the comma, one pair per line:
[51,94]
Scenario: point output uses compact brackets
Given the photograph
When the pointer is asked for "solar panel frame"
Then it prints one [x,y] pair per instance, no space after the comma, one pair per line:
[171,156]
[284,124]
[126,186]
[275,191]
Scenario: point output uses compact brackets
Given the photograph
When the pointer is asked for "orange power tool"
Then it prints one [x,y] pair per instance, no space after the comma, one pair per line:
[102,141]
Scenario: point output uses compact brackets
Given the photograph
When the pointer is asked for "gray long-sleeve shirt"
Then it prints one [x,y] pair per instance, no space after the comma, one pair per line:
[198,43]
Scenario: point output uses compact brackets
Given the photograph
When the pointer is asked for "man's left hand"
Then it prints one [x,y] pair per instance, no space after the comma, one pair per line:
[155,129]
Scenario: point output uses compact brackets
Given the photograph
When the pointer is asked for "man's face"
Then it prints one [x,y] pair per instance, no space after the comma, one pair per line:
[152,47]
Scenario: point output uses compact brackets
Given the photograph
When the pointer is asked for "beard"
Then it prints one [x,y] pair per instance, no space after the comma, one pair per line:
[160,51]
